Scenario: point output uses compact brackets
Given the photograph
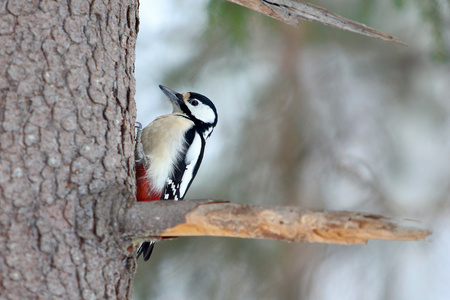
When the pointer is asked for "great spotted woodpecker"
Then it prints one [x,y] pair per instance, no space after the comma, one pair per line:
[170,149]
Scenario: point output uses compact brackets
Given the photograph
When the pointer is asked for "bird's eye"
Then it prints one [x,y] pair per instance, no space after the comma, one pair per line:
[194,102]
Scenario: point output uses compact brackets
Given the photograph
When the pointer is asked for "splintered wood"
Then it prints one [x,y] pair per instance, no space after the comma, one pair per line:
[203,218]
[293,11]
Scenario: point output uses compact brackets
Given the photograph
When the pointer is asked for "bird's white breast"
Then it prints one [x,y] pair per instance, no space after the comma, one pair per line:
[163,142]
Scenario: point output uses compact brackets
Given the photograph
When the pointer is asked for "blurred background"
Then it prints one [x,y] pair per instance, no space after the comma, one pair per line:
[312,117]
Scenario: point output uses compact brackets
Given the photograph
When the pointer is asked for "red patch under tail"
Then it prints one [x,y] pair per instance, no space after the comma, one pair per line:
[144,191]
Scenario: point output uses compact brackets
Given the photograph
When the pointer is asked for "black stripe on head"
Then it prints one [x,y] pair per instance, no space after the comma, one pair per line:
[186,110]
[200,125]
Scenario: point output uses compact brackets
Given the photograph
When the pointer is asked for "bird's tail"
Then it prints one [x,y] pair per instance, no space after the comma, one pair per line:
[146,250]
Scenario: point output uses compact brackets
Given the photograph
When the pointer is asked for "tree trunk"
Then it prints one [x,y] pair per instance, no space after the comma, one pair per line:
[66,160]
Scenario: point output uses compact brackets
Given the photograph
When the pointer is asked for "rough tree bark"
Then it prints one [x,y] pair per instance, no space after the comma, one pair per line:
[66,160]
[66,156]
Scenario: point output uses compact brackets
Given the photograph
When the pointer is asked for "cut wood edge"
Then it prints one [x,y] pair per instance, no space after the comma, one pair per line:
[170,219]
[293,11]
[293,225]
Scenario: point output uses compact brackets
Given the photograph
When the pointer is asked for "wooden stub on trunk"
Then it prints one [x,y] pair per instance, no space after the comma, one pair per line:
[203,218]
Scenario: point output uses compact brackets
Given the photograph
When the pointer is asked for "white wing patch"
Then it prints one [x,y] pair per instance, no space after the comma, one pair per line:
[192,156]
[173,187]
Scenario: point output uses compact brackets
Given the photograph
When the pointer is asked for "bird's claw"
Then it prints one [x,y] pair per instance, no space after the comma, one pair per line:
[139,154]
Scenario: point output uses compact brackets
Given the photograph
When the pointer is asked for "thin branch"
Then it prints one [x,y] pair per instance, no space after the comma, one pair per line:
[293,11]
[168,219]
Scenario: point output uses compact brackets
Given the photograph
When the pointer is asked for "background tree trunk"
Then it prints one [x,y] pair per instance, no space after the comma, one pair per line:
[66,160]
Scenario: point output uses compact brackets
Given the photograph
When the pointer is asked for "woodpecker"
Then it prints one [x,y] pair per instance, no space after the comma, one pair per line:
[169,150]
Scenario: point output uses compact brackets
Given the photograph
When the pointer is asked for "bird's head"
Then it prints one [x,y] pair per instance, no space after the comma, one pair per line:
[196,107]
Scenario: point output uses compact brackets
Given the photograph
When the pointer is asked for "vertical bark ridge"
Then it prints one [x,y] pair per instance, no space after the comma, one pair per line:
[66,160]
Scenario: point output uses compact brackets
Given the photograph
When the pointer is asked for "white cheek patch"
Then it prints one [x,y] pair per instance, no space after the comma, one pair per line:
[203,113]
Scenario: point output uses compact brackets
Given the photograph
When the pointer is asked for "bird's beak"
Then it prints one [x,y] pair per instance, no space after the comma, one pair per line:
[174,97]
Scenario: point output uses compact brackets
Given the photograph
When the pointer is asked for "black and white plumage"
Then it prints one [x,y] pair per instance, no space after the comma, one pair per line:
[170,149]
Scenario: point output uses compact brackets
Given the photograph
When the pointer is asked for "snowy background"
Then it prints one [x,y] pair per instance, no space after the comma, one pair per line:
[311,117]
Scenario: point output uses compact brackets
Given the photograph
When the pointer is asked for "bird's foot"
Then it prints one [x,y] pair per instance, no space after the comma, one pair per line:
[139,154]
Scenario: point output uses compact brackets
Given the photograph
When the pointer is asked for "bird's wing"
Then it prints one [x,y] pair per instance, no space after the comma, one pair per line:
[186,168]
